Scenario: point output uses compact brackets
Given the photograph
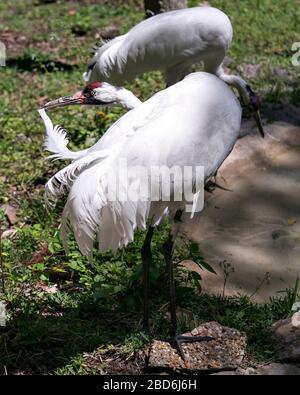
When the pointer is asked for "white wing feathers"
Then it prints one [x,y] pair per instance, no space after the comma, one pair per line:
[105,58]
[63,180]
[91,213]
[56,140]
[91,210]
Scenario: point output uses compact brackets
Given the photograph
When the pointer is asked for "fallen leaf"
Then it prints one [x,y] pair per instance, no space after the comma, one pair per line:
[39,255]
[292,221]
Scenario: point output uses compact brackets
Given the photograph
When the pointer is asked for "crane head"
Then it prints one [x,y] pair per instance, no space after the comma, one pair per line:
[88,96]
[97,94]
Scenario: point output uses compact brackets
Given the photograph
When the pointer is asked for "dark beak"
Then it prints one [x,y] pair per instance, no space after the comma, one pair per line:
[78,98]
[256,116]
[255,105]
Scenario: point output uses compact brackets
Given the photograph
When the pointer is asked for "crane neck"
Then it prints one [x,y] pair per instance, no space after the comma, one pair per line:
[237,82]
[127,99]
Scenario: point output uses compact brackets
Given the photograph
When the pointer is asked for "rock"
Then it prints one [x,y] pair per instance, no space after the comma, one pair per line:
[237,372]
[273,369]
[11,213]
[225,352]
[278,369]
[296,320]
[9,234]
[287,339]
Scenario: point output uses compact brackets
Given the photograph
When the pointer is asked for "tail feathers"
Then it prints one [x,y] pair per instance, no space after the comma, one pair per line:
[63,180]
[56,141]
[92,214]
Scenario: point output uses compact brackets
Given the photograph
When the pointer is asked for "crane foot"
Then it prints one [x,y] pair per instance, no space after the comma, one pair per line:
[177,340]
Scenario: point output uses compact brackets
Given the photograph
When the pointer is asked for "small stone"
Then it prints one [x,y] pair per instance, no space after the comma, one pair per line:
[224,352]
[296,320]
[273,369]
[278,369]
[9,234]
[287,337]
[11,213]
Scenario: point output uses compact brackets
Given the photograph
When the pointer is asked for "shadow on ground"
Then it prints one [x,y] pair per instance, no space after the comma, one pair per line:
[256,227]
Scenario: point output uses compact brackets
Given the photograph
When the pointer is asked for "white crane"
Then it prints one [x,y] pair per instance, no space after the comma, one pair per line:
[172,42]
[192,123]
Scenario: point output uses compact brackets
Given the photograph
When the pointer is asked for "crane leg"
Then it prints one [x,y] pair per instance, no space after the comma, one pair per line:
[175,339]
[146,259]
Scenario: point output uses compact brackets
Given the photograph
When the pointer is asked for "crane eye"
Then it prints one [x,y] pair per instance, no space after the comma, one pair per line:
[89,93]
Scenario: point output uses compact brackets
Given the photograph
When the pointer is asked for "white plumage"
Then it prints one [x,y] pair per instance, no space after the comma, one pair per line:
[192,123]
[171,42]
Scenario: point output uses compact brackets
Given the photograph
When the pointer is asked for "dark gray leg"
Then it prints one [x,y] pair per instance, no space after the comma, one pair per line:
[176,340]
[146,259]
[168,252]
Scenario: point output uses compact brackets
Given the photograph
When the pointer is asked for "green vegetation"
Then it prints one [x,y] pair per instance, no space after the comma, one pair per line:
[91,321]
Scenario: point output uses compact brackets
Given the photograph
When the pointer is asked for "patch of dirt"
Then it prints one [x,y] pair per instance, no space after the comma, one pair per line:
[39,255]
[13,41]
[44,46]
[134,3]
[104,362]
[250,71]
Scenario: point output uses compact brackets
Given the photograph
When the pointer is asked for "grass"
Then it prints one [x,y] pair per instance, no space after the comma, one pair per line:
[90,323]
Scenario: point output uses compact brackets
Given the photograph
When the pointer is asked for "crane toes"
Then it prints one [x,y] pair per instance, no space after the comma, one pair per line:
[177,340]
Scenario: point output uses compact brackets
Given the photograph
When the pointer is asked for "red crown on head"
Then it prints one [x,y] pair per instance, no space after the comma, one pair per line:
[94,85]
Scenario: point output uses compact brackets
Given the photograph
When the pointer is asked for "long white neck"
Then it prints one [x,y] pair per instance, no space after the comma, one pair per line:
[127,99]
[237,82]
[116,96]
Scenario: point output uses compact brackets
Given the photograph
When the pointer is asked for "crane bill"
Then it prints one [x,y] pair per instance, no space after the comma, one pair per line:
[78,98]
[63,101]
[256,116]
